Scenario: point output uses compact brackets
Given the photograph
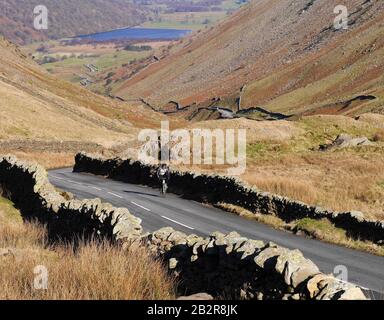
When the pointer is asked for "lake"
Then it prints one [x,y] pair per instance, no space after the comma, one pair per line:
[136,34]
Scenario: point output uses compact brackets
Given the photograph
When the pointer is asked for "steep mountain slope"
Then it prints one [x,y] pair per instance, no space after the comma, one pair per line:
[67,17]
[284,55]
[35,106]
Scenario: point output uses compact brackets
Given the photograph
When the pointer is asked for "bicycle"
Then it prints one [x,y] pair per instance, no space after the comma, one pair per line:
[164,187]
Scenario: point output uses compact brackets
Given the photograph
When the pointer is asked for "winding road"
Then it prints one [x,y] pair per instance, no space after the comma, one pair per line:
[188,216]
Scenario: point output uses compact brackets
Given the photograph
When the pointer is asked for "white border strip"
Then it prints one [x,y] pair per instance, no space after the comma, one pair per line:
[184,225]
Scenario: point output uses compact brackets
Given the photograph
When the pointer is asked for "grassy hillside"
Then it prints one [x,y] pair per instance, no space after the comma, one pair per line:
[283,157]
[287,55]
[37,107]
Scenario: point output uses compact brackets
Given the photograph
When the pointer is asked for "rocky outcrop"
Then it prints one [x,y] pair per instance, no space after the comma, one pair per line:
[28,187]
[197,296]
[235,267]
[346,141]
[215,189]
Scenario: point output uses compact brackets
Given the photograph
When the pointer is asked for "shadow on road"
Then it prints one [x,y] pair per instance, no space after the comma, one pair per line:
[142,193]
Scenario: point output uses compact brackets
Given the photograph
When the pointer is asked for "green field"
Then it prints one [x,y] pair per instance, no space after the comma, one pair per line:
[73,69]
[192,20]
[102,62]
[186,20]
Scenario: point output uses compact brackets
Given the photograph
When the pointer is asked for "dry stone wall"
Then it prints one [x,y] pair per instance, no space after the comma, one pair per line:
[214,189]
[231,266]
[28,187]
[226,266]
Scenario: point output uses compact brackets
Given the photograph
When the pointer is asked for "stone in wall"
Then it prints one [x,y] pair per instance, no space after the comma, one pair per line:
[231,266]
[27,185]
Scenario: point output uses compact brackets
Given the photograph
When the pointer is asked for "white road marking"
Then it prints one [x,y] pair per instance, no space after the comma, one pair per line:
[75,182]
[116,195]
[140,206]
[97,188]
[56,177]
[177,222]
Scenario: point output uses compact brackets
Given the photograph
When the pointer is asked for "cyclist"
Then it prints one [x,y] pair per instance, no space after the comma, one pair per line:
[163,174]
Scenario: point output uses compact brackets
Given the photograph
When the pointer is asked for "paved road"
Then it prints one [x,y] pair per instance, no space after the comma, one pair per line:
[364,269]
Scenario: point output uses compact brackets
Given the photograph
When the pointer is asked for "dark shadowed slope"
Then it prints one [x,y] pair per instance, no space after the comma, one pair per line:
[67,18]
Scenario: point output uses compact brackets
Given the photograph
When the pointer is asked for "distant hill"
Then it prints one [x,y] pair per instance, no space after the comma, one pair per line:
[285,56]
[36,106]
[67,18]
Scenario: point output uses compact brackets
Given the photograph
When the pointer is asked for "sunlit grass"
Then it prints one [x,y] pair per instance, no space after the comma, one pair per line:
[94,270]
